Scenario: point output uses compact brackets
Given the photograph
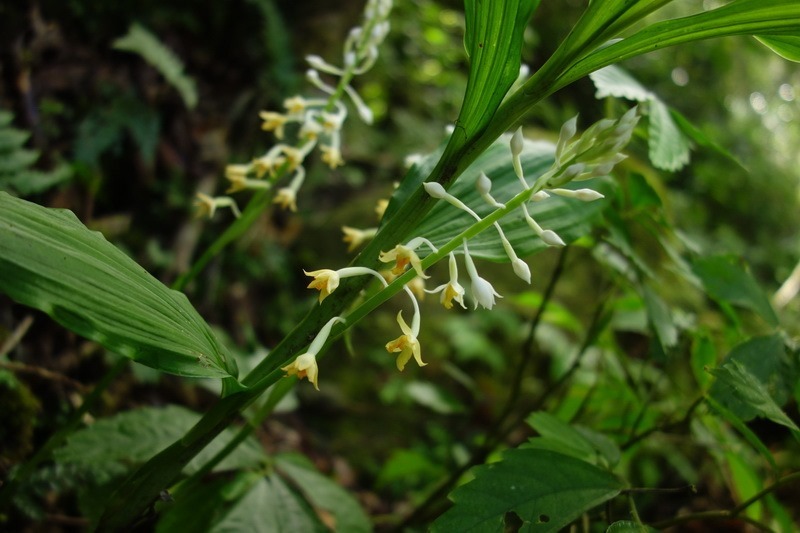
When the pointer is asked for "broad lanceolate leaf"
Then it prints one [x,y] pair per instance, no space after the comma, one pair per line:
[726,280]
[493,40]
[742,17]
[569,218]
[545,489]
[786,46]
[52,262]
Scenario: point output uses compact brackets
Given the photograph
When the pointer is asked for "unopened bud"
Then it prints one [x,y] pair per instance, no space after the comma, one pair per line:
[483,184]
[522,270]
[551,238]
[435,189]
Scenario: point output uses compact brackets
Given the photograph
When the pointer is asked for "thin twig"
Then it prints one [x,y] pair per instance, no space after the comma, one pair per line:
[666,427]
[44,374]
[16,336]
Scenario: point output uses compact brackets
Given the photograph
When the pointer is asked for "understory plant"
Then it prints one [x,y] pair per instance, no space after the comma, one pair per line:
[668,363]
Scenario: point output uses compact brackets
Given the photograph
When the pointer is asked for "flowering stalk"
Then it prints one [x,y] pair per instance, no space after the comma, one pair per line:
[360,52]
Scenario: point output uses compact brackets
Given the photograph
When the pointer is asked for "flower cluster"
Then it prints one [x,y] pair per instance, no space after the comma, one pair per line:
[315,122]
[592,154]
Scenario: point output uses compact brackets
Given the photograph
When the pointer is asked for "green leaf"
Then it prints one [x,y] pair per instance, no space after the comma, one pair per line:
[205,506]
[750,392]
[628,526]
[271,506]
[742,17]
[660,319]
[546,490]
[113,446]
[569,218]
[493,40]
[767,360]
[669,148]
[786,46]
[33,181]
[140,41]
[742,428]
[323,494]
[725,280]
[578,442]
[52,262]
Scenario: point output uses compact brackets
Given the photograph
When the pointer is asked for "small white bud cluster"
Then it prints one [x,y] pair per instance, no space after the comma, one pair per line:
[594,153]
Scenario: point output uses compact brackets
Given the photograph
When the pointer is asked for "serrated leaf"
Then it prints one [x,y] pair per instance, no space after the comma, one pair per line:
[750,392]
[786,46]
[493,39]
[140,41]
[668,147]
[113,446]
[616,82]
[569,218]
[725,279]
[323,494]
[50,261]
[545,489]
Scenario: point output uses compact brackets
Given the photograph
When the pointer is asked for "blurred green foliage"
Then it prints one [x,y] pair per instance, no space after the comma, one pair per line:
[624,343]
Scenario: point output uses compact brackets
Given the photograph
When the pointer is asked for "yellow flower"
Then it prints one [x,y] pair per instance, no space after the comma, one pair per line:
[237,171]
[206,206]
[267,164]
[286,197]
[355,237]
[325,281]
[407,344]
[403,256]
[273,121]
[304,366]
[332,156]
[295,105]
[238,183]
[451,290]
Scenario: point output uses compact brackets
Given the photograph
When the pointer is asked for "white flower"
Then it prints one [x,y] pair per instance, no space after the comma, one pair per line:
[482,291]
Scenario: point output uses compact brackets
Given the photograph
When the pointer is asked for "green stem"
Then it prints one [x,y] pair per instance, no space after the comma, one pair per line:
[282,387]
[21,474]
[254,208]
